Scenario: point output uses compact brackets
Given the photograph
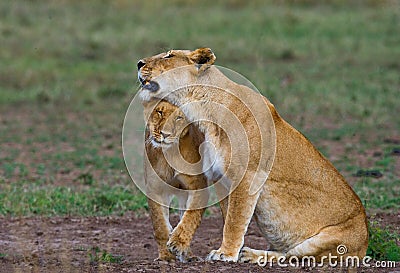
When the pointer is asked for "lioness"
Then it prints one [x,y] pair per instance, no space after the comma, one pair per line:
[304,208]
[167,128]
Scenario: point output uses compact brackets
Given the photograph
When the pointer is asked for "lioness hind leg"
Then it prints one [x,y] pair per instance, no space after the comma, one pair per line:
[346,239]
[249,255]
[349,238]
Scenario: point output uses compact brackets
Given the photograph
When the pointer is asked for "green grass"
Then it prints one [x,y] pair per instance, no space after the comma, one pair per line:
[383,243]
[96,255]
[382,195]
[337,67]
[24,198]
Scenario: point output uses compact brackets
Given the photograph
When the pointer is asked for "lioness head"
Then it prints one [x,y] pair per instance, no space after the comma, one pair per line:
[167,124]
[151,67]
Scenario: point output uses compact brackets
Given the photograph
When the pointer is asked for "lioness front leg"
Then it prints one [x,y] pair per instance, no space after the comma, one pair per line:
[222,195]
[162,228]
[181,236]
[241,207]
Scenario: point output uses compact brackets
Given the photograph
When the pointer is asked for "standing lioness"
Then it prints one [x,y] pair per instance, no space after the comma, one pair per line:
[304,208]
[168,133]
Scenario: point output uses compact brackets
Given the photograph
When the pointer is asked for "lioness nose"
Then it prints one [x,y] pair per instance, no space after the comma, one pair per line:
[140,64]
[165,135]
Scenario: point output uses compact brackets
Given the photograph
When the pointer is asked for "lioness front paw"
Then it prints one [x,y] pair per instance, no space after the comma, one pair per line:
[179,249]
[165,256]
[219,255]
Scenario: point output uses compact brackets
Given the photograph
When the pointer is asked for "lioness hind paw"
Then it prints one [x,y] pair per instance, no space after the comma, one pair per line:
[218,255]
[247,255]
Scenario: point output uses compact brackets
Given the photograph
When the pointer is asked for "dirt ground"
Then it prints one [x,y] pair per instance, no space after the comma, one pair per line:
[67,244]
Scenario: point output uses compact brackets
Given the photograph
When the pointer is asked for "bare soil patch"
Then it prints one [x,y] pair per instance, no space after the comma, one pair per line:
[66,244]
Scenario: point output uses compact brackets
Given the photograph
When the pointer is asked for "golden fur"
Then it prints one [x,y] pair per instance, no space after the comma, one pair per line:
[305,207]
[167,127]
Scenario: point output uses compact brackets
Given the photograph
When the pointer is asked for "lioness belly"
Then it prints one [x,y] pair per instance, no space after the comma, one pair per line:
[277,225]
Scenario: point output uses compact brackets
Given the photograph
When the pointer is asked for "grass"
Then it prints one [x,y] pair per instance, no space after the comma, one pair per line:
[379,195]
[67,76]
[383,243]
[96,255]
[23,198]
[319,47]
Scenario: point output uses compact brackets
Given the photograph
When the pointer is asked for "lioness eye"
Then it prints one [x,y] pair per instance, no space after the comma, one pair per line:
[169,55]
[159,113]
[179,118]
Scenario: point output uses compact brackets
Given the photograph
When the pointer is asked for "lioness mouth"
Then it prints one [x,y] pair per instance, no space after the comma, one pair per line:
[149,85]
[157,143]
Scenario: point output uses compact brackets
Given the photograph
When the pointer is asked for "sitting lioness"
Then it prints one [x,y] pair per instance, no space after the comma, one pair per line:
[304,207]
[167,128]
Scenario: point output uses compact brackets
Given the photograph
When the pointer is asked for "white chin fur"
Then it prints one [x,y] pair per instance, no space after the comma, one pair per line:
[160,144]
[156,144]
[144,94]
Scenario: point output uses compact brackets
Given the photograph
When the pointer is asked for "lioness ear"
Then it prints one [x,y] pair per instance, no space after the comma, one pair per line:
[202,56]
[148,108]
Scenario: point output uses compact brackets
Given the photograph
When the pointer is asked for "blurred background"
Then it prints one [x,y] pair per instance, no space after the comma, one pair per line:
[68,74]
